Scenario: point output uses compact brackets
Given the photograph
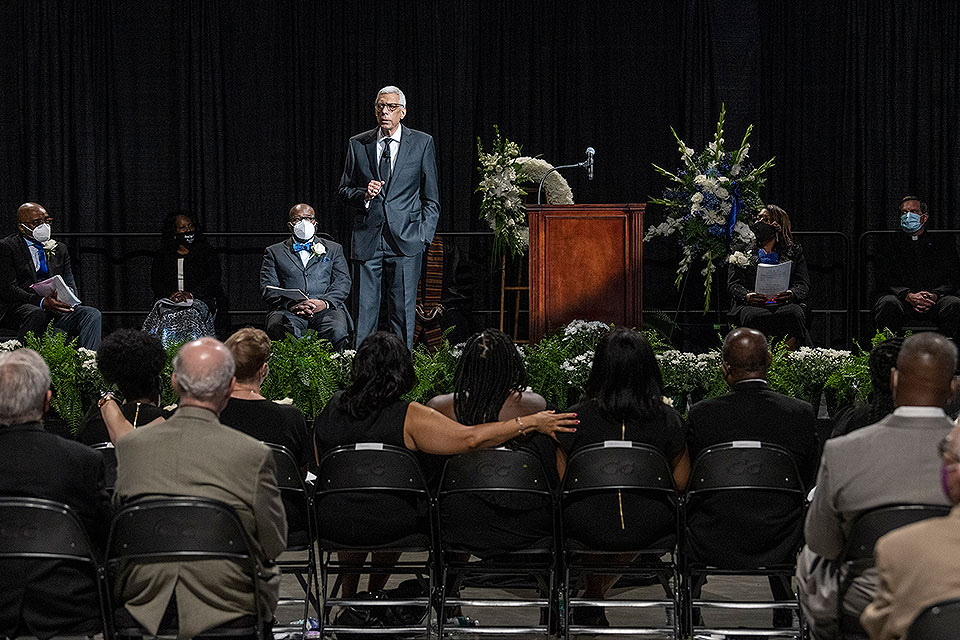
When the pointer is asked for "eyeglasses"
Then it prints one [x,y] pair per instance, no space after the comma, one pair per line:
[388,107]
[309,219]
[34,223]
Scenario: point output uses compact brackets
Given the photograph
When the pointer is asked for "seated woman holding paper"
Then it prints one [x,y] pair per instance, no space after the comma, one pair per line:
[772,303]
[186,281]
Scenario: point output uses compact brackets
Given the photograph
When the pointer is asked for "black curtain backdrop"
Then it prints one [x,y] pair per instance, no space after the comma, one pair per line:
[115,113]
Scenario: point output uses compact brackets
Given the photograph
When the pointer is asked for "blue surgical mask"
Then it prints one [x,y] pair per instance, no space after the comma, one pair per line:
[910,222]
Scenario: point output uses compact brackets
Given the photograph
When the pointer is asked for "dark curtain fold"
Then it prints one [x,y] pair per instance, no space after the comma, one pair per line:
[115,113]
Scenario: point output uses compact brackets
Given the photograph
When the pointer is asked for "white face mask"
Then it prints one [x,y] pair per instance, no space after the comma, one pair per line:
[304,230]
[41,233]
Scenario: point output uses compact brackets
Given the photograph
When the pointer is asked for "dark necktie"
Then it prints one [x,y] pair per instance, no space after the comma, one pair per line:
[385,163]
[42,270]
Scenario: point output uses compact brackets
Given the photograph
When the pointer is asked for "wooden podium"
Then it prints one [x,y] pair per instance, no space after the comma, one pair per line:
[585,263]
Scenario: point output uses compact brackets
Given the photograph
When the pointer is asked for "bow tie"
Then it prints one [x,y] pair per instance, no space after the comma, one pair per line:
[302,246]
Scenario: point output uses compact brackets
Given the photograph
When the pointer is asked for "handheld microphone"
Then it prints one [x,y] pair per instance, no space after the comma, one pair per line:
[589,162]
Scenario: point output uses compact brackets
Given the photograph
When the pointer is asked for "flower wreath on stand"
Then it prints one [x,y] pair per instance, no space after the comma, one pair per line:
[502,171]
[713,191]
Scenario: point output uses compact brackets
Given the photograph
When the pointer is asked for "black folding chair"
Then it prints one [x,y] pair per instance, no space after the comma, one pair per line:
[747,468]
[185,529]
[504,474]
[43,530]
[372,470]
[936,622]
[301,535]
[857,556]
[634,473]
[109,454]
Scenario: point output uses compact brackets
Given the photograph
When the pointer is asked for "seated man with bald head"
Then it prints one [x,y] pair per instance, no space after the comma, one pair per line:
[316,268]
[27,257]
[743,531]
[193,454]
[892,461]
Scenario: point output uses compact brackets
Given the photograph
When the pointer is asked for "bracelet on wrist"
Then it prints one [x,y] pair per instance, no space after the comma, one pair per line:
[521,429]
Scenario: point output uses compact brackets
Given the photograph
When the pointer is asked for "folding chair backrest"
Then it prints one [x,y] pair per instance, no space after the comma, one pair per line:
[938,621]
[617,465]
[42,529]
[289,477]
[870,525]
[494,471]
[109,454]
[741,465]
[157,528]
[369,467]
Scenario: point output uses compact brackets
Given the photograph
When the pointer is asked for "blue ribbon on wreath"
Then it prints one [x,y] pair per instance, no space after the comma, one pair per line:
[734,210]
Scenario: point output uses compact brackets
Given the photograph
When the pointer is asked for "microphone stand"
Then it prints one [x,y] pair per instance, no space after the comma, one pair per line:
[563,166]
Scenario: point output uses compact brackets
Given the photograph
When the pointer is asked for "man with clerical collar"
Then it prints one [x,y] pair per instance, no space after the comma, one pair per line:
[741,530]
[303,263]
[889,462]
[918,274]
[30,256]
[45,598]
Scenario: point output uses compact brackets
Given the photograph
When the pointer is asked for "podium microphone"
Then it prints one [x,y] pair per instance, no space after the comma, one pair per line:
[586,164]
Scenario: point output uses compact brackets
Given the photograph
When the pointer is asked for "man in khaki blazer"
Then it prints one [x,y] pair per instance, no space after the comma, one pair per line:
[193,454]
[918,564]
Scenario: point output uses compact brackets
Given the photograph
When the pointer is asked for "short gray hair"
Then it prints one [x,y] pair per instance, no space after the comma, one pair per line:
[204,379]
[24,382]
[402,99]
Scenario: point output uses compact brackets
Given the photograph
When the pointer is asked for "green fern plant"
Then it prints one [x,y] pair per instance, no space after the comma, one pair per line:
[303,371]
[63,358]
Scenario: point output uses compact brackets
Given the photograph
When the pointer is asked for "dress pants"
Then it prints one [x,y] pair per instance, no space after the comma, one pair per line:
[890,311]
[402,274]
[330,324]
[777,321]
[82,323]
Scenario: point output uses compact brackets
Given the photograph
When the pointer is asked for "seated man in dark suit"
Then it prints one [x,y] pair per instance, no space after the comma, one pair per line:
[918,274]
[725,526]
[318,269]
[30,256]
[46,597]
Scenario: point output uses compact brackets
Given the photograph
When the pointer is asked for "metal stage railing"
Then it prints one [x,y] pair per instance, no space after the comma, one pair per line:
[838,306]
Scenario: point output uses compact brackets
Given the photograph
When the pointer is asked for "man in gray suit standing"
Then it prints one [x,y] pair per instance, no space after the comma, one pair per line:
[390,184]
[318,269]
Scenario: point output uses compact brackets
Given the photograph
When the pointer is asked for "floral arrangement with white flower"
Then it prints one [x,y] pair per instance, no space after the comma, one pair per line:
[502,172]
[502,205]
[713,192]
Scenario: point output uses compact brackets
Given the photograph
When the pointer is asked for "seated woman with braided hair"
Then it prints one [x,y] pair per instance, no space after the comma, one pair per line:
[489,384]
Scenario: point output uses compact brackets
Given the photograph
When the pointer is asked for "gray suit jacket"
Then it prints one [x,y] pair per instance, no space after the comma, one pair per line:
[892,461]
[412,203]
[325,277]
[193,454]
